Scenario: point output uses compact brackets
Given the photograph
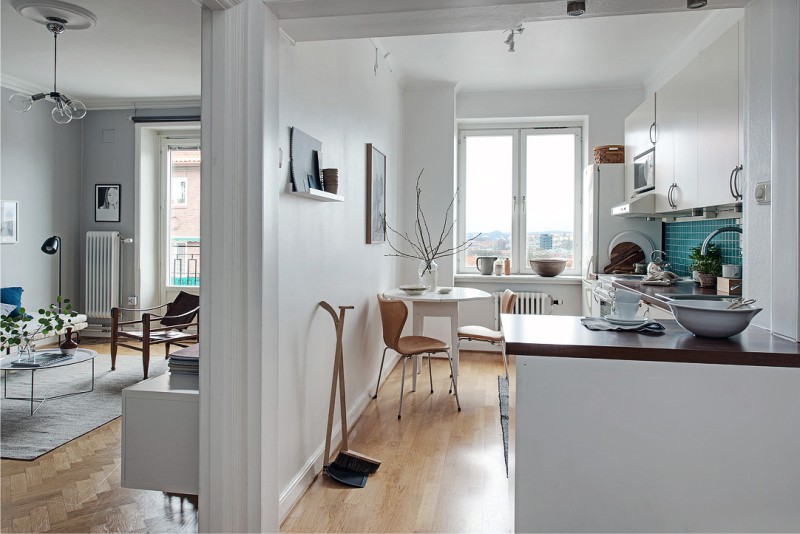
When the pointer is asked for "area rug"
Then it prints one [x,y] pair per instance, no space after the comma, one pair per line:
[502,388]
[58,421]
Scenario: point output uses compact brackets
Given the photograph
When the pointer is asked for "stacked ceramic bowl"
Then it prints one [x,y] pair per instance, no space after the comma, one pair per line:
[330,180]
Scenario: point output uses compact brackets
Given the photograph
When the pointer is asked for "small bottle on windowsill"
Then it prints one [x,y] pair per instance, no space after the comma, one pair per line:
[507,266]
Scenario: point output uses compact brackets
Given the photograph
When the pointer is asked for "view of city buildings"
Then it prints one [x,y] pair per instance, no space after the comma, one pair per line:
[551,244]
[184,218]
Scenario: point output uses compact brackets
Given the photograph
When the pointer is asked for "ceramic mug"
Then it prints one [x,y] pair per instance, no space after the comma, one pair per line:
[485,264]
[625,310]
[732,271]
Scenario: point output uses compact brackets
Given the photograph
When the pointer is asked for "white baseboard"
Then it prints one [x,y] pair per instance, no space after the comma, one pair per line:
[300,483]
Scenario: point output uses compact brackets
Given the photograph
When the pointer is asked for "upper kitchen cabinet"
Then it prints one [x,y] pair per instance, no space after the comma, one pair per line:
[719,122]
[640,129]
[676,147]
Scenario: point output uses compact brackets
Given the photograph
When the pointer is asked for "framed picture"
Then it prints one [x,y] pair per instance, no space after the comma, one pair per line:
[9,221]
[376,195]
[106,202]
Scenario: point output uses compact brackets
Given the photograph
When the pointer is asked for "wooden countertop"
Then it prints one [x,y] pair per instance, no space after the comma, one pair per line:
[565,336]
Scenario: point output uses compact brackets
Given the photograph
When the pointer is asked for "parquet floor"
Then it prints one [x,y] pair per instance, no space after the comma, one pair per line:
[442,471]
[75,488]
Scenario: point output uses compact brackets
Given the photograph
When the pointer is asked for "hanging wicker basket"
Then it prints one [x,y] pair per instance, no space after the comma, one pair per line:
[609,154]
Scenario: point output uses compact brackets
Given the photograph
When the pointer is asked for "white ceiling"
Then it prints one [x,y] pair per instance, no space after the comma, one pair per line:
[582,53]
[149,50]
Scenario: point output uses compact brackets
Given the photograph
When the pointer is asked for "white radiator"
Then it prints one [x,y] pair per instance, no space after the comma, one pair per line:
[102,274]
[527,303]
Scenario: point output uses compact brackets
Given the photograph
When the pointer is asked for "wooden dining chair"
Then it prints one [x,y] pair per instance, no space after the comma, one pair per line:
[393,317]
[487,335]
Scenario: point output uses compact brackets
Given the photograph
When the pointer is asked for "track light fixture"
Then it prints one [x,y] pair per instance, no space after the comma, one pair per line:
[65,109]
[576,9]
[696,4]
[517,30]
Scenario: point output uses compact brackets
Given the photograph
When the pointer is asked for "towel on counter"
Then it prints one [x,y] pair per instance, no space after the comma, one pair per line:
[597,323]
[660,278]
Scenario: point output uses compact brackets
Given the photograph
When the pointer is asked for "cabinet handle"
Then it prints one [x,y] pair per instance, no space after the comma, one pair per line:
[652,133]
[736,171]
[670,199]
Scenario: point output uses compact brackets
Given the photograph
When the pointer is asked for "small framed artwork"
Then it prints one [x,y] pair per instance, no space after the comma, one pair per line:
[9,221]
[376,195]
[106,202]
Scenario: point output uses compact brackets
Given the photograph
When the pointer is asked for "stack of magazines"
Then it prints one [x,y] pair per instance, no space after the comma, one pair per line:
[36,361]
[185,361]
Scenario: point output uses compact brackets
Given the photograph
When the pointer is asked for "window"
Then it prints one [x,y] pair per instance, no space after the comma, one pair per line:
[520,190]
[182,211]
[179,191]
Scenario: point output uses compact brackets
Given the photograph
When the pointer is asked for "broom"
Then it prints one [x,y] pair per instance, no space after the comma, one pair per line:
[346,459]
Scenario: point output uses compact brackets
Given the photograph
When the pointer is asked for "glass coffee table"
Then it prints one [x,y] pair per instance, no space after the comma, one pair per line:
[8,364]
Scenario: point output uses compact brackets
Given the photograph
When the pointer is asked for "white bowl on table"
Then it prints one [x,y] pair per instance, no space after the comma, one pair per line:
[712,318]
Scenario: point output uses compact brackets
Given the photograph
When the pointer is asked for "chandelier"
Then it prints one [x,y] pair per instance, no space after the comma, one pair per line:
[65,109]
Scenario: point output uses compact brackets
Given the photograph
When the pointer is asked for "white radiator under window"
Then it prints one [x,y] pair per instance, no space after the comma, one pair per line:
[529,303]
[102,274]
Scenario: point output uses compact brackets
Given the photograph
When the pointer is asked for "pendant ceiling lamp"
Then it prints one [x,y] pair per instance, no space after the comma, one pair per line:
[56,17]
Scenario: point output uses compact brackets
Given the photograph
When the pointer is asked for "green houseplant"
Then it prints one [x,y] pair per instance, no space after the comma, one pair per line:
[21,330]
[707,267]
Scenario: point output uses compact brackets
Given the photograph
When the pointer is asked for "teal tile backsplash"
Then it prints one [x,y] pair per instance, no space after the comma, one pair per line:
[681,237]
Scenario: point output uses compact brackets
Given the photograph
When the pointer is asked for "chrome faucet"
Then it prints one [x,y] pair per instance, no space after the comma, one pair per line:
[712,235]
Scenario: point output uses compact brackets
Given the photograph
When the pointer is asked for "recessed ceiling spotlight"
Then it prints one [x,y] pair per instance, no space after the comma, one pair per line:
[696,4]
[576,9]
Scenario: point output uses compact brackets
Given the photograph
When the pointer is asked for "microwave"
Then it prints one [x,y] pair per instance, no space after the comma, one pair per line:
[644,171]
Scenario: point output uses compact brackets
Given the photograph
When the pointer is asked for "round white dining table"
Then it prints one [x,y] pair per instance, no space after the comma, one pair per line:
[435,304]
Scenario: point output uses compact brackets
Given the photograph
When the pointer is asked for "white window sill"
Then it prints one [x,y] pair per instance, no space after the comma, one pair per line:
[564,279]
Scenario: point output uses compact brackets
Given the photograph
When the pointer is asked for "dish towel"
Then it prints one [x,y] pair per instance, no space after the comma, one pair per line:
[596,323]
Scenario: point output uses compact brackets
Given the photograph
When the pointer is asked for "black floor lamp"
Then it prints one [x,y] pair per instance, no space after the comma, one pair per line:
[51,246]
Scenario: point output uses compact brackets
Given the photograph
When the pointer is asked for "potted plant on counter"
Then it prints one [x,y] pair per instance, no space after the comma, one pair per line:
[706,268]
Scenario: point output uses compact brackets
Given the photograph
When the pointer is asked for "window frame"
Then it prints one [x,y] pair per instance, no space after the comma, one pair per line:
[519,133]
[171,141]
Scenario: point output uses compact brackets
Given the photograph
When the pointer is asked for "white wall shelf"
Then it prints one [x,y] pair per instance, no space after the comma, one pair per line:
[316,194]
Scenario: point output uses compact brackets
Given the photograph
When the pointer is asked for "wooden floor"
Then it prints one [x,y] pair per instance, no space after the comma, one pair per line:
[442,471]
[75,488]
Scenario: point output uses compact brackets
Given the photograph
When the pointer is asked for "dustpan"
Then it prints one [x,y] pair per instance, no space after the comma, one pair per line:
[345,476]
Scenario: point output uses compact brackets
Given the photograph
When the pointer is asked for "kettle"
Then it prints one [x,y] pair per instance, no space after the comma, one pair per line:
[658,262]
[485,264]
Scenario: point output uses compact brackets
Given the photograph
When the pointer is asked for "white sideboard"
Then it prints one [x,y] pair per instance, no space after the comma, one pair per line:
[161,433]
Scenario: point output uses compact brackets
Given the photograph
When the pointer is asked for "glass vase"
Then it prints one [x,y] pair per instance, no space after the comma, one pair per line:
[428,274]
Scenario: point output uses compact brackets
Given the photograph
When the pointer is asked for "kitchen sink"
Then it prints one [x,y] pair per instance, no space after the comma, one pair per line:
[696,297]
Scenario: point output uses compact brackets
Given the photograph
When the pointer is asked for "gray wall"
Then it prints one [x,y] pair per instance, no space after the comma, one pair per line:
[51,170]
[109,158]
[41,169]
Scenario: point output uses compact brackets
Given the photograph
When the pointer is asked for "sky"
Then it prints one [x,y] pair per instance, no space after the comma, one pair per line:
[550,170]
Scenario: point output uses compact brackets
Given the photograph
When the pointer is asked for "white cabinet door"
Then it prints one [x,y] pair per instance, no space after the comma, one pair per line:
[718,120]
[676,149]
[639,129]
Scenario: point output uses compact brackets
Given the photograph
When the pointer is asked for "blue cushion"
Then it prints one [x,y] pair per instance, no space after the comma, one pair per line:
[12,295]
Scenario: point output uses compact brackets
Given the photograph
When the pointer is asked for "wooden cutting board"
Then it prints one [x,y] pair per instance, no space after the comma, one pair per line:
[622,258]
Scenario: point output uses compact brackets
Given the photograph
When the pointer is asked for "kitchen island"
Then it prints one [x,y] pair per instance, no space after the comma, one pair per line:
[622,432]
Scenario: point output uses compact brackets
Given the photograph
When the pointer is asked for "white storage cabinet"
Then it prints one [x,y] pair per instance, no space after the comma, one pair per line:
[161,434]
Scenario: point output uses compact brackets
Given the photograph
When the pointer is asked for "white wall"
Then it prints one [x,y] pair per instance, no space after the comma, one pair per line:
[771,141]
[41,169]
[329,90]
